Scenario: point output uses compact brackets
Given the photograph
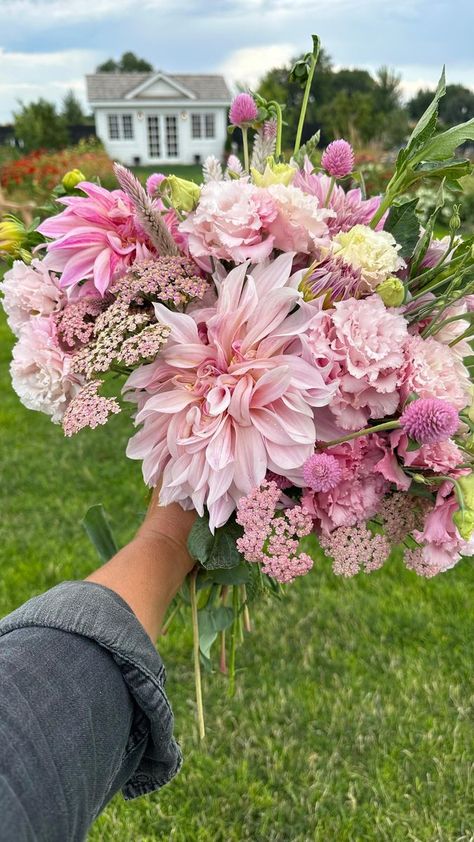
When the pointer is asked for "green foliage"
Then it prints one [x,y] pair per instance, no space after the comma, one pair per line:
[212,621]
[403,223]
[39,126]
[456,106]
[72,112]
[128,63]
[97,527]
[214,551]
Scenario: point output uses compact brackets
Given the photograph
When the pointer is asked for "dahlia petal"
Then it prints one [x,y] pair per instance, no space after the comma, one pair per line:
[183,328]
[168,402]
[250,458]
[271,386]
[102,270]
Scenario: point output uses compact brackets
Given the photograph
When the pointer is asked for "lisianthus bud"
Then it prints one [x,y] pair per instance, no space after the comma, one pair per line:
[183,194]
[392,292]
[464,517]
[72,178]
[274,174]
[455,221]
[12,235]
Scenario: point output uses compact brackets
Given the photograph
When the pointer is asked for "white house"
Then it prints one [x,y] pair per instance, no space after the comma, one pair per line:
[160,118]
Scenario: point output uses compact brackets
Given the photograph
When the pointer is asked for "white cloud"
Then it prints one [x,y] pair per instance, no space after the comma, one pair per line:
[249,64]
[27,76]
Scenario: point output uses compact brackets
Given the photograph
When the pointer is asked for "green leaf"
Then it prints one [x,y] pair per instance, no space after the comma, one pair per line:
[413,445]
[239,575]
[427,123]
[453,168]
[403,223]
[444,145]
[99,532]
[214,551]
[211,621]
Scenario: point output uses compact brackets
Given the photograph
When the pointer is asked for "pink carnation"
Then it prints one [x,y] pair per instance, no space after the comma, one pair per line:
[444,457]
[232,399]
[41,371]
[364,343]
[358,495]
[300,223]
[432,370]
[231,222]
[350,208]
[97,237]
[30,291]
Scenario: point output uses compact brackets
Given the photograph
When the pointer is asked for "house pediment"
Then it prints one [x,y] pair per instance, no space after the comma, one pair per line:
[159,87]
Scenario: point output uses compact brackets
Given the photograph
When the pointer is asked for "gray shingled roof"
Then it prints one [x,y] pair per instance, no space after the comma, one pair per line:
[113,86]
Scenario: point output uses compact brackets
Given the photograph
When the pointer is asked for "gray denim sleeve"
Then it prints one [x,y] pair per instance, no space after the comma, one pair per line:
[83,713]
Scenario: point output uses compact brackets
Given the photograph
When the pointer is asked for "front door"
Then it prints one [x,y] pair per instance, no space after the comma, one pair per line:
[163,138]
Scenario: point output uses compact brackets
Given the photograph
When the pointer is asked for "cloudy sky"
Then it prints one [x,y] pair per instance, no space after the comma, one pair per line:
[46,46]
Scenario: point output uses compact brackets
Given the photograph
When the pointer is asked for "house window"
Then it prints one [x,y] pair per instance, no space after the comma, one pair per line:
[196,125]
[114,131]
[127,126]
[171,136]
[120,126]
[154,144]
[210,125]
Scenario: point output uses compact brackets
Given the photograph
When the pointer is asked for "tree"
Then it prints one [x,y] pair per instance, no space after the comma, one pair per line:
[39,126]
[129,63]
[72,112]
[457,105]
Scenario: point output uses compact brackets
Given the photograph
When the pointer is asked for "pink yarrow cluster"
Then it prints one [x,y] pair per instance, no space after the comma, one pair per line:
[271,535]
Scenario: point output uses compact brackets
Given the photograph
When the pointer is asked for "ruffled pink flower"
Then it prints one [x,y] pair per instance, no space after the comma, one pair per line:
[338,159]
[432,370]
[442,546]
[223,405]
[30,291]
[358,495]
[97,237]
[300,224]
[243,110]
[350,208]
[444,457]
[41,371]
[231,222]
[362,343]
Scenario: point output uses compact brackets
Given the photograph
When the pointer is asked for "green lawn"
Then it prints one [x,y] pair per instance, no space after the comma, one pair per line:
[193,172]
[353,715]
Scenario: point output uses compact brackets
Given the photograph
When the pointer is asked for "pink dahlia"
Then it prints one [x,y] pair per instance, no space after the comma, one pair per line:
[243,110]
[429,420]
[363,344]
[432,370]
[231,222]
[300,224]
[225,404]
[350,208]
[97,237]
[41,371]
[338,159]
[30,291]
[358,495]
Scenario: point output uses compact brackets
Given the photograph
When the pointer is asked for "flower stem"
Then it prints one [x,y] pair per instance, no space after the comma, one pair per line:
[304,104]
[279,114]
[378,428]
[247,623]
[245,141]
[197,663]
[233,639]
[222,661]
[329,193]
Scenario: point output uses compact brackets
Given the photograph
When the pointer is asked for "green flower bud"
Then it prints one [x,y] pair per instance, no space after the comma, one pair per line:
[182,194]
[464,517]
[392,292]
[12,236]
[274,174]
[72,178]
[455,221]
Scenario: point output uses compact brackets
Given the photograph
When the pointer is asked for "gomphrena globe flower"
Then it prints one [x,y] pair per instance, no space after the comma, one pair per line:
[322,472]
[243,110]
[429,420]
[338,159]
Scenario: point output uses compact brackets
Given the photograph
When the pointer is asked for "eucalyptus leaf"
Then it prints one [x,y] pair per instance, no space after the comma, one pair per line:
[99,532]
[403,223]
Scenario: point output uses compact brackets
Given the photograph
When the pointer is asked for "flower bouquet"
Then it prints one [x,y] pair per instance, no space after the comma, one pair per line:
[297,354]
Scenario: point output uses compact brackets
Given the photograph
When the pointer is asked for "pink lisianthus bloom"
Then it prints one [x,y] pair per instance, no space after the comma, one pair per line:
[433,370]
[350,208]
[300,224]
[230,399]
[442,546]
[358,495]
[442,457]
[41,370]
[97,237]
[30,291]
[452,331]
[231,222]
[362,343]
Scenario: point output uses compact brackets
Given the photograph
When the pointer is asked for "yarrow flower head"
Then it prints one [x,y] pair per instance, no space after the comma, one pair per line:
[322,472]
[430,420]
[75,324]
[88,409]
[271,535]
[243,110]
[338,159]
[355,548]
